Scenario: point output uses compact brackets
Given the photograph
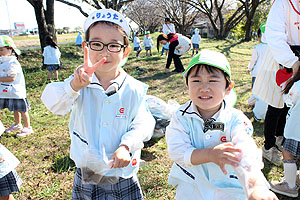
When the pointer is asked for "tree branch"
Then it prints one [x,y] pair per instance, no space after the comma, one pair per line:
[74,5]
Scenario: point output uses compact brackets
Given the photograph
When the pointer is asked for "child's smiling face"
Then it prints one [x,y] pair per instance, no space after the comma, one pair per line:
[207,90]
[106,33]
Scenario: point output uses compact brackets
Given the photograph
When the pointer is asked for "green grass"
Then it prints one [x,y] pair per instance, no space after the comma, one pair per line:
[46,168]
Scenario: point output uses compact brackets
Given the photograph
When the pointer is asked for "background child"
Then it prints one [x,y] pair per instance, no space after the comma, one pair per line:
[291,144]
[109,113]
[51,58]
[148,43]
[12,87]
[196,38]
[178,45]
[210,142]
[137,44]
[282,30]
[168,27]
[259,106]
[9,180]
[78,41]
[257,54]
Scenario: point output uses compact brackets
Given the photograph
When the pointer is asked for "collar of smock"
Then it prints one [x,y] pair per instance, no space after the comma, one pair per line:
[190,110]
[115,85]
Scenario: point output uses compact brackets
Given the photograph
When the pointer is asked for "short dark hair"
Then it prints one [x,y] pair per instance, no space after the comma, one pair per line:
[167,19]
[209,69]
[259,33]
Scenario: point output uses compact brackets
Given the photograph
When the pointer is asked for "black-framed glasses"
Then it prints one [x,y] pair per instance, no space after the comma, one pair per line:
[111,47]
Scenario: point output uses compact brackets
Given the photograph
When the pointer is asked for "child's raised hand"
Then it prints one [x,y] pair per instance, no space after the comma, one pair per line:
[121,157]
[225,153]
[84,73]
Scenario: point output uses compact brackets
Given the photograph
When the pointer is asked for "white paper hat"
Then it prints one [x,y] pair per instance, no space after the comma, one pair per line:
[107,15]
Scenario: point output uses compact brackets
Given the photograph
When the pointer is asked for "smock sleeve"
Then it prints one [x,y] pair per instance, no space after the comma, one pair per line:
[253,60]
[14,69]
[277,37]
[141,128]
[59,97]
[180,147]
[249,169]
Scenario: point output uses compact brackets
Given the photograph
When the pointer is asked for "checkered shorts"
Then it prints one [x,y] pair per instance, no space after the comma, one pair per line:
[10,183]
[292,146]
[125,189]
[20,105]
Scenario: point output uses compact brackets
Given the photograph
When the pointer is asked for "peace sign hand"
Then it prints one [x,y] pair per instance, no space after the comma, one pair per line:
[84,73]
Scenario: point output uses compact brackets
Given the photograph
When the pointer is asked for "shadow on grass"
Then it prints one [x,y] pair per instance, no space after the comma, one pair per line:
[147,156]
[63,164]
[226,50]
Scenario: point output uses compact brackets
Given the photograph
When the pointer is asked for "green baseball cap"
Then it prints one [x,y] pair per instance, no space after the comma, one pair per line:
[211,58]
[6,41]
[147,32]
[262,27]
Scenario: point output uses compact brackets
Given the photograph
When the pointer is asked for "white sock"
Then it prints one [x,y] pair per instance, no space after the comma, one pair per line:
[290,173]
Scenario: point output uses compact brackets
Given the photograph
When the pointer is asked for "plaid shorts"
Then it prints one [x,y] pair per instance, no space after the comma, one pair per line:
[125,189]
[291,146]
[10,183]
[52,68]
[20,105]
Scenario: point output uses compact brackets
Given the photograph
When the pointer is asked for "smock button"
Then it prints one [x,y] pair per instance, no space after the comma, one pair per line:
[106,102]
[104,124]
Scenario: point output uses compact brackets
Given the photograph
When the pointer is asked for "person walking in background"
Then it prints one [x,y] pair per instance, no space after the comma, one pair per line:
[78,41]
[148,43]
[12,87]
[51,58]
[168,27]
[178,45]
[110,118]
[137,44]
[196,38]
[210,142]
[282,31]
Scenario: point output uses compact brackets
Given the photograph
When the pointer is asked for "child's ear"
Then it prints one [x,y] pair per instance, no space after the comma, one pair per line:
[229,88]
[126,51]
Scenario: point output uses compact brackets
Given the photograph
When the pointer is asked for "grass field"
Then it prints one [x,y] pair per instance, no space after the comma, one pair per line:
[46,168]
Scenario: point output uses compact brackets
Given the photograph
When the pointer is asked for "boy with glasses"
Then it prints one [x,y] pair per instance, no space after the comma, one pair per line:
[109,112]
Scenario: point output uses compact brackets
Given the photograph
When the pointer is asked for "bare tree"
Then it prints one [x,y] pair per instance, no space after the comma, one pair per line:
[113,4]
[183,15]
[145,14]
[225,15]
[215,11]
[44,18]
[250,7]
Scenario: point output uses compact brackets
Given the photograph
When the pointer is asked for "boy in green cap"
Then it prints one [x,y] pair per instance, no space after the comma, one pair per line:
[210,142]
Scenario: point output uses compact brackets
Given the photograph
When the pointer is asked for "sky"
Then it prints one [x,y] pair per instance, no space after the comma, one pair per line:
[12,11]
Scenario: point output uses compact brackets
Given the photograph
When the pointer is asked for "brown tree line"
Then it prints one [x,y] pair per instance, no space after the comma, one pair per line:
[222,15]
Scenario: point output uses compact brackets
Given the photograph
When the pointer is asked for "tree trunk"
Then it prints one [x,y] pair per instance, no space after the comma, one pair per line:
[44,19]
[249,22]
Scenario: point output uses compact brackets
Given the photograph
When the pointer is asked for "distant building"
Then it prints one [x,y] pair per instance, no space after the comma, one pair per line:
[20,27]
